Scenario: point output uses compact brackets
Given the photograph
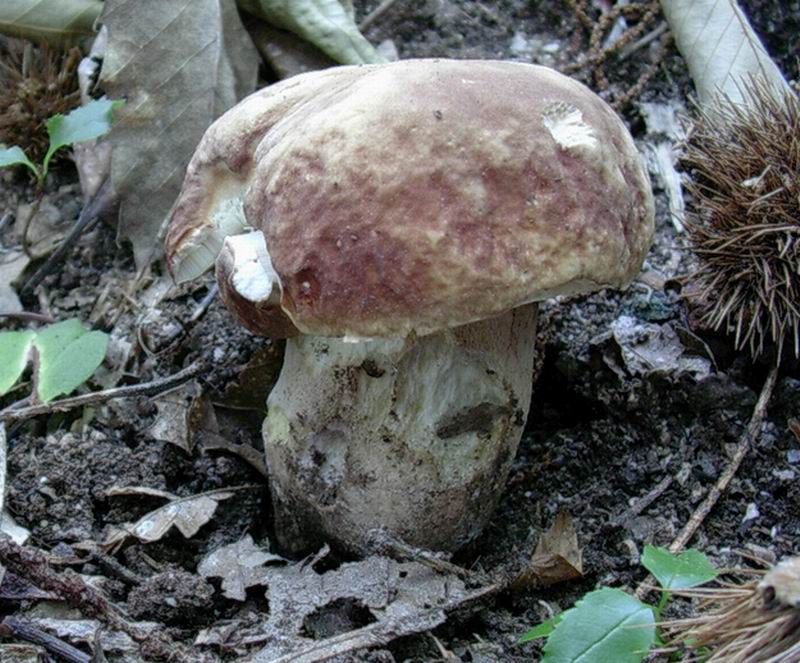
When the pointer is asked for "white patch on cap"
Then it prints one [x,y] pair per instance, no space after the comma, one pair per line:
[565,124]
[253,277]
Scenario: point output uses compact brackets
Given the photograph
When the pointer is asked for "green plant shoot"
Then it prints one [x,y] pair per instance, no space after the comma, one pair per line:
[611,625]
[84,123]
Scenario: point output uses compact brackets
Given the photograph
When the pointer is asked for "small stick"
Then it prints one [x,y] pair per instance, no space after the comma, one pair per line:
[23,630]
[384,543]
[750,434]
[144,389]
[33,565]
[88,216]
[643,502]
[29,316]
[375,14]
[644,41]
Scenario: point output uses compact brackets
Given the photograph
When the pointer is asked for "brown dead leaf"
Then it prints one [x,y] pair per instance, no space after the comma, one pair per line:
[182,414]
[794,426]
[557,557]
[179,64]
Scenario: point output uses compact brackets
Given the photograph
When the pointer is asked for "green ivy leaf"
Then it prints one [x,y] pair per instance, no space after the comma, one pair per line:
[688,569]
[15,347]
[606,625]
[542,630]
[13,156]
[84,123]
[68,356]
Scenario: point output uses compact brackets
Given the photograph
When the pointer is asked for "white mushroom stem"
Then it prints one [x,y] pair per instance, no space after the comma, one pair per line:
[413,436]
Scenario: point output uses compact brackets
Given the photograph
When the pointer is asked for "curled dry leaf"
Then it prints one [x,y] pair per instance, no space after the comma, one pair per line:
[557,557]
[187,514]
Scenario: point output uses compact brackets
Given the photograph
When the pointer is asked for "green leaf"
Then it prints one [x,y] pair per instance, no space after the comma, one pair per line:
[57,23]
[12,156]
[688,569]
[15,349]
[325,23]
[68,356]
[542,630]
[84,123]
[606,625]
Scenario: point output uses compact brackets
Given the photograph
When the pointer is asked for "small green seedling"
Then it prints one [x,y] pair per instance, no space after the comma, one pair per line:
[611,625]
[64,354]
[84,123]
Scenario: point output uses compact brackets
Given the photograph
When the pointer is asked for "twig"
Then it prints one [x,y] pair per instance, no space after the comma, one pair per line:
[644,41]
[88,216]
[33,565]
[750,434]
[144,389]
[17,628]
[375,14]
[29,316]
[384,543]
[643,502]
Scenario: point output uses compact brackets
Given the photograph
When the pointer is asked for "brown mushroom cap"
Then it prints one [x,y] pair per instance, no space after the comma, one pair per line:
[426,194]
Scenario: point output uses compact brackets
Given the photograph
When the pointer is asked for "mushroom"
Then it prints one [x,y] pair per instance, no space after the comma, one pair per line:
[398,224]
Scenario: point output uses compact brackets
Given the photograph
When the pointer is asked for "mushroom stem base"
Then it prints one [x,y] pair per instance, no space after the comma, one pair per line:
[412,436]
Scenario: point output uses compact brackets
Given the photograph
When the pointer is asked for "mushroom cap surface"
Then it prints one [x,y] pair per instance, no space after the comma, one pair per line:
[419,195]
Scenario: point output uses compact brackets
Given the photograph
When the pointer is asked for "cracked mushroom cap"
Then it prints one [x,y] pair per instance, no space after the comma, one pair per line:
[411,197]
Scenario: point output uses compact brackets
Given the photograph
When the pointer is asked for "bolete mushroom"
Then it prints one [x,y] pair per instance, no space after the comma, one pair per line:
[404,219]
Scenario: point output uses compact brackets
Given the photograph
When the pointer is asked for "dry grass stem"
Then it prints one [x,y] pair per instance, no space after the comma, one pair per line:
[754,622]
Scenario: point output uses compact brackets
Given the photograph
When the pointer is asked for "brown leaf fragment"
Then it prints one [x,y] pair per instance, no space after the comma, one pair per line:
[182,414]
[557,557]
[794,426]
[240,565]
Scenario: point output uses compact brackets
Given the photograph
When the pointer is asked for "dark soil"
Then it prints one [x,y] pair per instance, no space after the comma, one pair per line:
[598,438]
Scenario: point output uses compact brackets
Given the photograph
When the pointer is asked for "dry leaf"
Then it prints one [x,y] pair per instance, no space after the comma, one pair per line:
[57,23]
[187,514]
[12,264]
[179,65]
[557,557]
[719,46]
[240,565]
[182,414]
[401,597]
[643,349]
